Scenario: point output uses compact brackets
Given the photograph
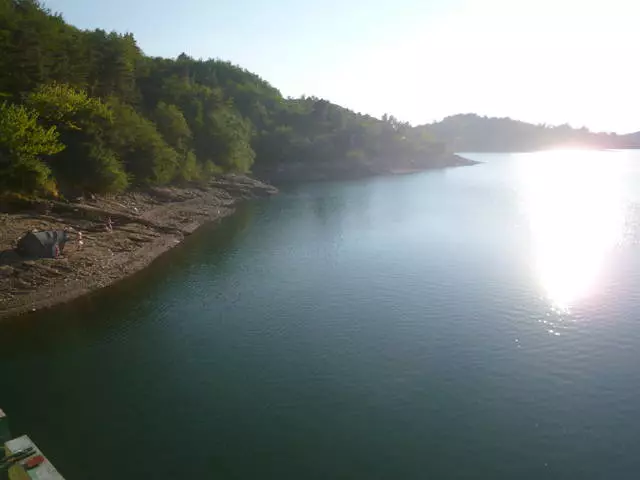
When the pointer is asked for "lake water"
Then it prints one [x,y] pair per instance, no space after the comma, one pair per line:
[479,322]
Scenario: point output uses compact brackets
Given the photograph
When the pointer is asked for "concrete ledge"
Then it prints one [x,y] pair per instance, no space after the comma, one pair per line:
[44,471]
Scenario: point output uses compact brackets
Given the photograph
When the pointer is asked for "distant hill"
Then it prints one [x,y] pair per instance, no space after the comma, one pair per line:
[475,133]
[85,111]
[631,139]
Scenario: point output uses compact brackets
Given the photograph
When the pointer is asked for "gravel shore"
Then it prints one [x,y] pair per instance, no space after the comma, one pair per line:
[145,224]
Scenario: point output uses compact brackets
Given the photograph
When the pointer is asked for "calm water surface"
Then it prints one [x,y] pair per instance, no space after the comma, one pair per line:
[480,322]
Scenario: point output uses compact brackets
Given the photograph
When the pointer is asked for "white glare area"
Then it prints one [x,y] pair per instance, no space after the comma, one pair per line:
[576,215]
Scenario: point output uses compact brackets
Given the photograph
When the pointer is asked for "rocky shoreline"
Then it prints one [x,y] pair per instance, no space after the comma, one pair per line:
[145,224]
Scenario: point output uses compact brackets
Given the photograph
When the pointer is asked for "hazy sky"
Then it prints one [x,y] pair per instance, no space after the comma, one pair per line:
[552,61]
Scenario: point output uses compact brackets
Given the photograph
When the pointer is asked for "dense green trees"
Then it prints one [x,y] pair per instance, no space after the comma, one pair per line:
[173,126]
[24,145]
[86,111]
[123,119]
[145,154]
[86,125]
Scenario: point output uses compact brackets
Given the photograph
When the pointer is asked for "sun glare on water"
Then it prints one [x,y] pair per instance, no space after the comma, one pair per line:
[573,202]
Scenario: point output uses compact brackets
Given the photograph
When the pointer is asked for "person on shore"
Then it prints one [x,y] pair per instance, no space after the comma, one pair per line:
[80,241]
[109,225]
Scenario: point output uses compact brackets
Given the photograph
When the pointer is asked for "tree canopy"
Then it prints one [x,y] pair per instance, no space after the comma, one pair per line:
[127,119]
[24,146]
[87,111]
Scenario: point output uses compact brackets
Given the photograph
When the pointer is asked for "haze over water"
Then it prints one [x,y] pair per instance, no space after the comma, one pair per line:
[478,322]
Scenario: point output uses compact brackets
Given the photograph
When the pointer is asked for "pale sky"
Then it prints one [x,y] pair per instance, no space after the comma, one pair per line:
[552,61]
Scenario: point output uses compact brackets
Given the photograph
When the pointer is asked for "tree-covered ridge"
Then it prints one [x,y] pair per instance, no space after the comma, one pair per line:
[474,133]
[97,115]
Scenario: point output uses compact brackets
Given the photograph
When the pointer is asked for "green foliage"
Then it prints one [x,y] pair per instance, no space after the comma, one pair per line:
[24,144]
[38,48]
[69,108]
[88,164]
[189,170]
[145,154]
[22,136]
[226,140]
[193,106]
[210,169]
[127,118]
[104,170]
[112,60]
[173,126]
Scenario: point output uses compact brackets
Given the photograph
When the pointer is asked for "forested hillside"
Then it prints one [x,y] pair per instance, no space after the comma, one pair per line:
[473,133]
[87,111]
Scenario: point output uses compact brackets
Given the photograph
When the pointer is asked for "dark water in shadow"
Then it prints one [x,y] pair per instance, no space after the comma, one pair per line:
[437,325]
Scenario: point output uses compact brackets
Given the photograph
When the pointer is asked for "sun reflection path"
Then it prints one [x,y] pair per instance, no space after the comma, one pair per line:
[575,210]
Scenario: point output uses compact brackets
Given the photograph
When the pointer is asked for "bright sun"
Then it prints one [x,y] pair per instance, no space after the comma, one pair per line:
[576,217]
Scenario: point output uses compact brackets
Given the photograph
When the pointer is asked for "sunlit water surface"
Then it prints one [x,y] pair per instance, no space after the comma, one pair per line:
[477,322]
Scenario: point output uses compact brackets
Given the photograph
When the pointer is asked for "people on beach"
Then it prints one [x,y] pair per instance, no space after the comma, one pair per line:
[80,241]
[109,225]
